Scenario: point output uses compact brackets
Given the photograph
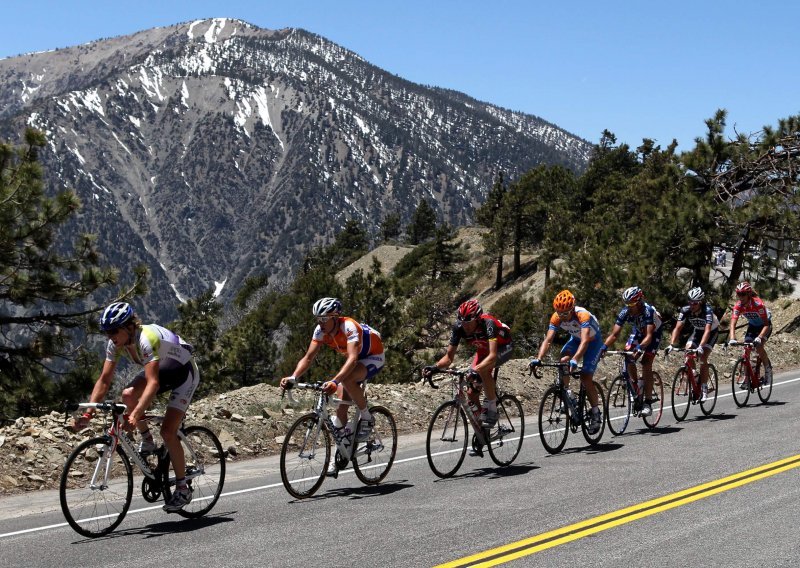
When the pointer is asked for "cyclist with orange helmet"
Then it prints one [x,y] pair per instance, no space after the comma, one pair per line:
[645,338]
[759,322]
[585,344]
[492,340]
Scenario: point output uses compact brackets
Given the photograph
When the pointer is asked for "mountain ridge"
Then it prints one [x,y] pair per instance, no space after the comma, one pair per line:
[215,150]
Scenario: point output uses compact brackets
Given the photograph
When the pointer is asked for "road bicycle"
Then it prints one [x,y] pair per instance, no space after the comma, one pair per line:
[626,397]
[686,387]
[448,431]
[747,377]
[559,412]
[96,487]
[306,449]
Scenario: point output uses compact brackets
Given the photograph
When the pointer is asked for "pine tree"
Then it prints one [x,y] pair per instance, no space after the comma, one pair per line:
[43,292]
[423,223]
[493,215]
[390,228]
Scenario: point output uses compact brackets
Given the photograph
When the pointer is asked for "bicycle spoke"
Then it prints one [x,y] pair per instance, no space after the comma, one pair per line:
[446,442]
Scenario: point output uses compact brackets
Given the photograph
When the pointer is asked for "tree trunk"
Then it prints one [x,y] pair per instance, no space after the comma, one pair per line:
[498,282]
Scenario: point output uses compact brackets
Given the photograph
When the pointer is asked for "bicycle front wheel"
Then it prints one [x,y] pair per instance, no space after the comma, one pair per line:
[446,444]
[305,455]
[205,470]
[96,487]
[681,394]
[656,401]
[373,457]
[618,406]
[593,438]
[505,439]
[764,383]
[712,387]
[740,383]
[553,420]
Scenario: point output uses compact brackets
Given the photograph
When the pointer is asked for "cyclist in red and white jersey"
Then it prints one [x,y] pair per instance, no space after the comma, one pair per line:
[759,322]
[363,349]
[492,341]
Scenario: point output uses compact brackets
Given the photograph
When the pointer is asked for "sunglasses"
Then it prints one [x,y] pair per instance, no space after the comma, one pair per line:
[467,320]
[632,304]
[325,319]
[564,315]
[112,333]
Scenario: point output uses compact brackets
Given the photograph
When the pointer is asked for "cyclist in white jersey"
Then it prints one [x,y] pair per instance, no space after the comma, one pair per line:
[168,365]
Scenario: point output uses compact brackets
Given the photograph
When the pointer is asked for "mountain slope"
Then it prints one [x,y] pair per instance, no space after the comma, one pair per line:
[215,150]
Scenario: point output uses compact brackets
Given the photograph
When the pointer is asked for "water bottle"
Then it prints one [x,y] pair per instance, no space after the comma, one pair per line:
[640,386]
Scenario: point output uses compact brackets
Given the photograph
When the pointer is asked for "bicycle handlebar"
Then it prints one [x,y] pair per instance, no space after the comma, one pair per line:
[428,378]
[107,406]
[620,352]
[287,390]
[559,365]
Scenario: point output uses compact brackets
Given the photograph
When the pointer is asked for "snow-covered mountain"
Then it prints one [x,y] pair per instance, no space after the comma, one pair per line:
[214,150]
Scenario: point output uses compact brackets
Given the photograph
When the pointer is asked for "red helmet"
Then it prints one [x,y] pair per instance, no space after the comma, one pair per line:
[744,288]
[469,310]
[564,301]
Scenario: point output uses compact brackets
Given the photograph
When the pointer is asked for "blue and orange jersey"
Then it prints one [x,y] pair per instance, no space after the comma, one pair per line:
[581,319]
[754,310]
[350,331]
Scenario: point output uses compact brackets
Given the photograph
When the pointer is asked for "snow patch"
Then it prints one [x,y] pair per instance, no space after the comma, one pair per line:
[218,286]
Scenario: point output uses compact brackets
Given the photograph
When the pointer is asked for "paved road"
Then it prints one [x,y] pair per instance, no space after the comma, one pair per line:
[414,519]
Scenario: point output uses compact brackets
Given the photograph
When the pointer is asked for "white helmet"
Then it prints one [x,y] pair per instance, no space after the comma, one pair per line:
[327,307]
[632,294]
[696,294]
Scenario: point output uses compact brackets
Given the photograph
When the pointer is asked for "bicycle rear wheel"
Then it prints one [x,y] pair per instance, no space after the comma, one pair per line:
[713,388]
[681,394]
[764,383]
[656,401]
[205,470]
[373,457]
[593,438]
[740,383]
[618,406]
[305,455]
[96,487]
[446,444]
[505,439]
[553,420]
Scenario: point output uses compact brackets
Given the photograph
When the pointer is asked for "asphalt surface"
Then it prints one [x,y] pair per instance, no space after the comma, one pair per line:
[415,519]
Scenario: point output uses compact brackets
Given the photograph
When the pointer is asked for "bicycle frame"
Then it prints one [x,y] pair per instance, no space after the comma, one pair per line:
[116,436]
[747,359]
[574,406]
[344,444]
[459,386]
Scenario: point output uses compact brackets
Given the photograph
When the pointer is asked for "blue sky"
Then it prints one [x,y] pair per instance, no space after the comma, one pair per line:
[639,69]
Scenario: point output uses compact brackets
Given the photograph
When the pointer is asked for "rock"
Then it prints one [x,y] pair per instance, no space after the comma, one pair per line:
[264,413]
[237,418]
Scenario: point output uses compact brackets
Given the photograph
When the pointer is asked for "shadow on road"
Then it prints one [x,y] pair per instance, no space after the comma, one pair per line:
[171,527]
[361,492]
[493,472]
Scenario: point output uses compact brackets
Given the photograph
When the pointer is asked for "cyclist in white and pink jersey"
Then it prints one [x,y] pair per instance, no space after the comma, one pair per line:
[168,365]
[363,348]
[759,322]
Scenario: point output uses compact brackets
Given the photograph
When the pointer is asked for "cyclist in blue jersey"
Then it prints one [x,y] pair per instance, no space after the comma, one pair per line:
[645,337]
[705,328]
[168,365]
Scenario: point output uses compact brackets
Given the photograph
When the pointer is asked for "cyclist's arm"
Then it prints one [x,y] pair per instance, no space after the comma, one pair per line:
[585,339]
[353,349]
[447,358]
[545,346]
[676,333]
[732,331]
[149,393]
[648,336]
[612,337]
[305,363]
[706,334]
[103,383]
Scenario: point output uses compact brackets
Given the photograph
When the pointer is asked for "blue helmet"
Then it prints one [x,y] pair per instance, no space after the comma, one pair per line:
[115,316]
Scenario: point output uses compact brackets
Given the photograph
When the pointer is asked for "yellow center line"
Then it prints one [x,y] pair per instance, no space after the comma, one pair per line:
[563,535]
